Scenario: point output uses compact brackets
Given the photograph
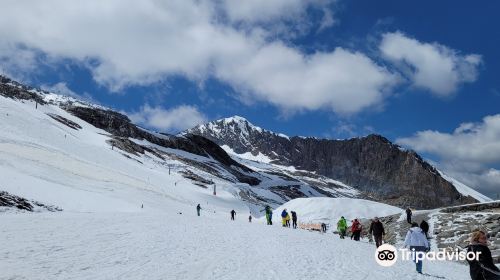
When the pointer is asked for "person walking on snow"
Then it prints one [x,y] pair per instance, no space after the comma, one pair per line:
[377,229]
[408,215]
[198,209]
[283,217]
[356,230]
[250,218]
[287,219]
[483,267]
[425,228]
[233,213]
[294,219]
[342,227]
[269,215]
[418,243]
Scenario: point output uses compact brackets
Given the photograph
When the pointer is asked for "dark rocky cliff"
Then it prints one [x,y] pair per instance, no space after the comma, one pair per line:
[372,164]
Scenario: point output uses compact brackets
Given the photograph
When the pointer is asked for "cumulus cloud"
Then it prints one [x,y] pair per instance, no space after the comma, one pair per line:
[469,153]
[172,120]
[126,42]
[431,66]
[343,81]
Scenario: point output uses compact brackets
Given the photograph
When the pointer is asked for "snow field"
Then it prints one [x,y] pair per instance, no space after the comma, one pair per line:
[157,245]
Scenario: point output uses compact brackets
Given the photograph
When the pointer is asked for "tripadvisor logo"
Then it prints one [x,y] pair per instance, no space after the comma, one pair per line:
[387,255]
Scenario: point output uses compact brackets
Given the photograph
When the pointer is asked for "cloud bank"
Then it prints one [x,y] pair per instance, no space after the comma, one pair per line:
[467,153]
[431,66]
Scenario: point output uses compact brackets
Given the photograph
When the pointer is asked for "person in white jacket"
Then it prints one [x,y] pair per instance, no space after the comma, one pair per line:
[417,242]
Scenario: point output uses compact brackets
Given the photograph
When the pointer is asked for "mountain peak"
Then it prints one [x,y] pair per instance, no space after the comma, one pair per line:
[235,118]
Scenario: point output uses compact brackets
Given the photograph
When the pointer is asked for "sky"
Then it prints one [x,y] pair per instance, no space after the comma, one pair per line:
[424,74]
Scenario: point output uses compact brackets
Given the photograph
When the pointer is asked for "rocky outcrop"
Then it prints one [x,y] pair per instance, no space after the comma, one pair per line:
[15,90]
[12,201]
[65,121]
[381,170]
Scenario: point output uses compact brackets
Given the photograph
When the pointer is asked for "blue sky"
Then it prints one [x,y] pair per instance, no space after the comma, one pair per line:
[422,73]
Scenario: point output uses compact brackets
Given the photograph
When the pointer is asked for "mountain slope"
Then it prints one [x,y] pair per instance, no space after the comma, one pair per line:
[373,165]
[66,146]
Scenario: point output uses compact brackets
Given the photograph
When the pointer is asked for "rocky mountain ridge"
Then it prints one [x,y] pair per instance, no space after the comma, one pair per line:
[372,164]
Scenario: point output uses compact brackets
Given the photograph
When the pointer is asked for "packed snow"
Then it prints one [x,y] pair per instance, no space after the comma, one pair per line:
[329,210]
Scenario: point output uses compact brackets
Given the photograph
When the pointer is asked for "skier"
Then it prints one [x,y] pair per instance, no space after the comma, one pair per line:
[408,215]
[377,229]
[198,209]
[356,230]
[483,268]
[425,228]
[250,218]
[294,219]
[342,227]
[416,241]
[287,220]
[283,217]
[233,213]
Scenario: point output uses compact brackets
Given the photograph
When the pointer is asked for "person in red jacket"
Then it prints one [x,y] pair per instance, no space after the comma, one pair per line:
[356,229]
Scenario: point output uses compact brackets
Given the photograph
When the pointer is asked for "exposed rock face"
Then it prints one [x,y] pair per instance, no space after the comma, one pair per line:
[13,201]
[13,89]
[372,164]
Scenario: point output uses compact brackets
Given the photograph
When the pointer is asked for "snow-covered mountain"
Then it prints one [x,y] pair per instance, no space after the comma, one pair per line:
[75,141]
[378,169]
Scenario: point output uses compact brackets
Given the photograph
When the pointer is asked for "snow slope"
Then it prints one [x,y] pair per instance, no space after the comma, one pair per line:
[78,171]
[329,210]
[464,189]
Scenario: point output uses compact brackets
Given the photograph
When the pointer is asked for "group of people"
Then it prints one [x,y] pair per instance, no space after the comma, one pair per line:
[416,239]
[285,218]
[376,229]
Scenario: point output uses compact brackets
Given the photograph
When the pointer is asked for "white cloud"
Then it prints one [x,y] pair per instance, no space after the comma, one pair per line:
[264,10]
[173,120]
[60,88]
[431,66]
[16,60]
[469,153]
[343,81]
[126,42]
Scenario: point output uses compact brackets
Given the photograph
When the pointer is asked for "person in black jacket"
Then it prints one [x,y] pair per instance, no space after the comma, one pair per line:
[198,209]
[233,213]
[483,268]
[425,227]
[377,229]
[408,215]
[294,219]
